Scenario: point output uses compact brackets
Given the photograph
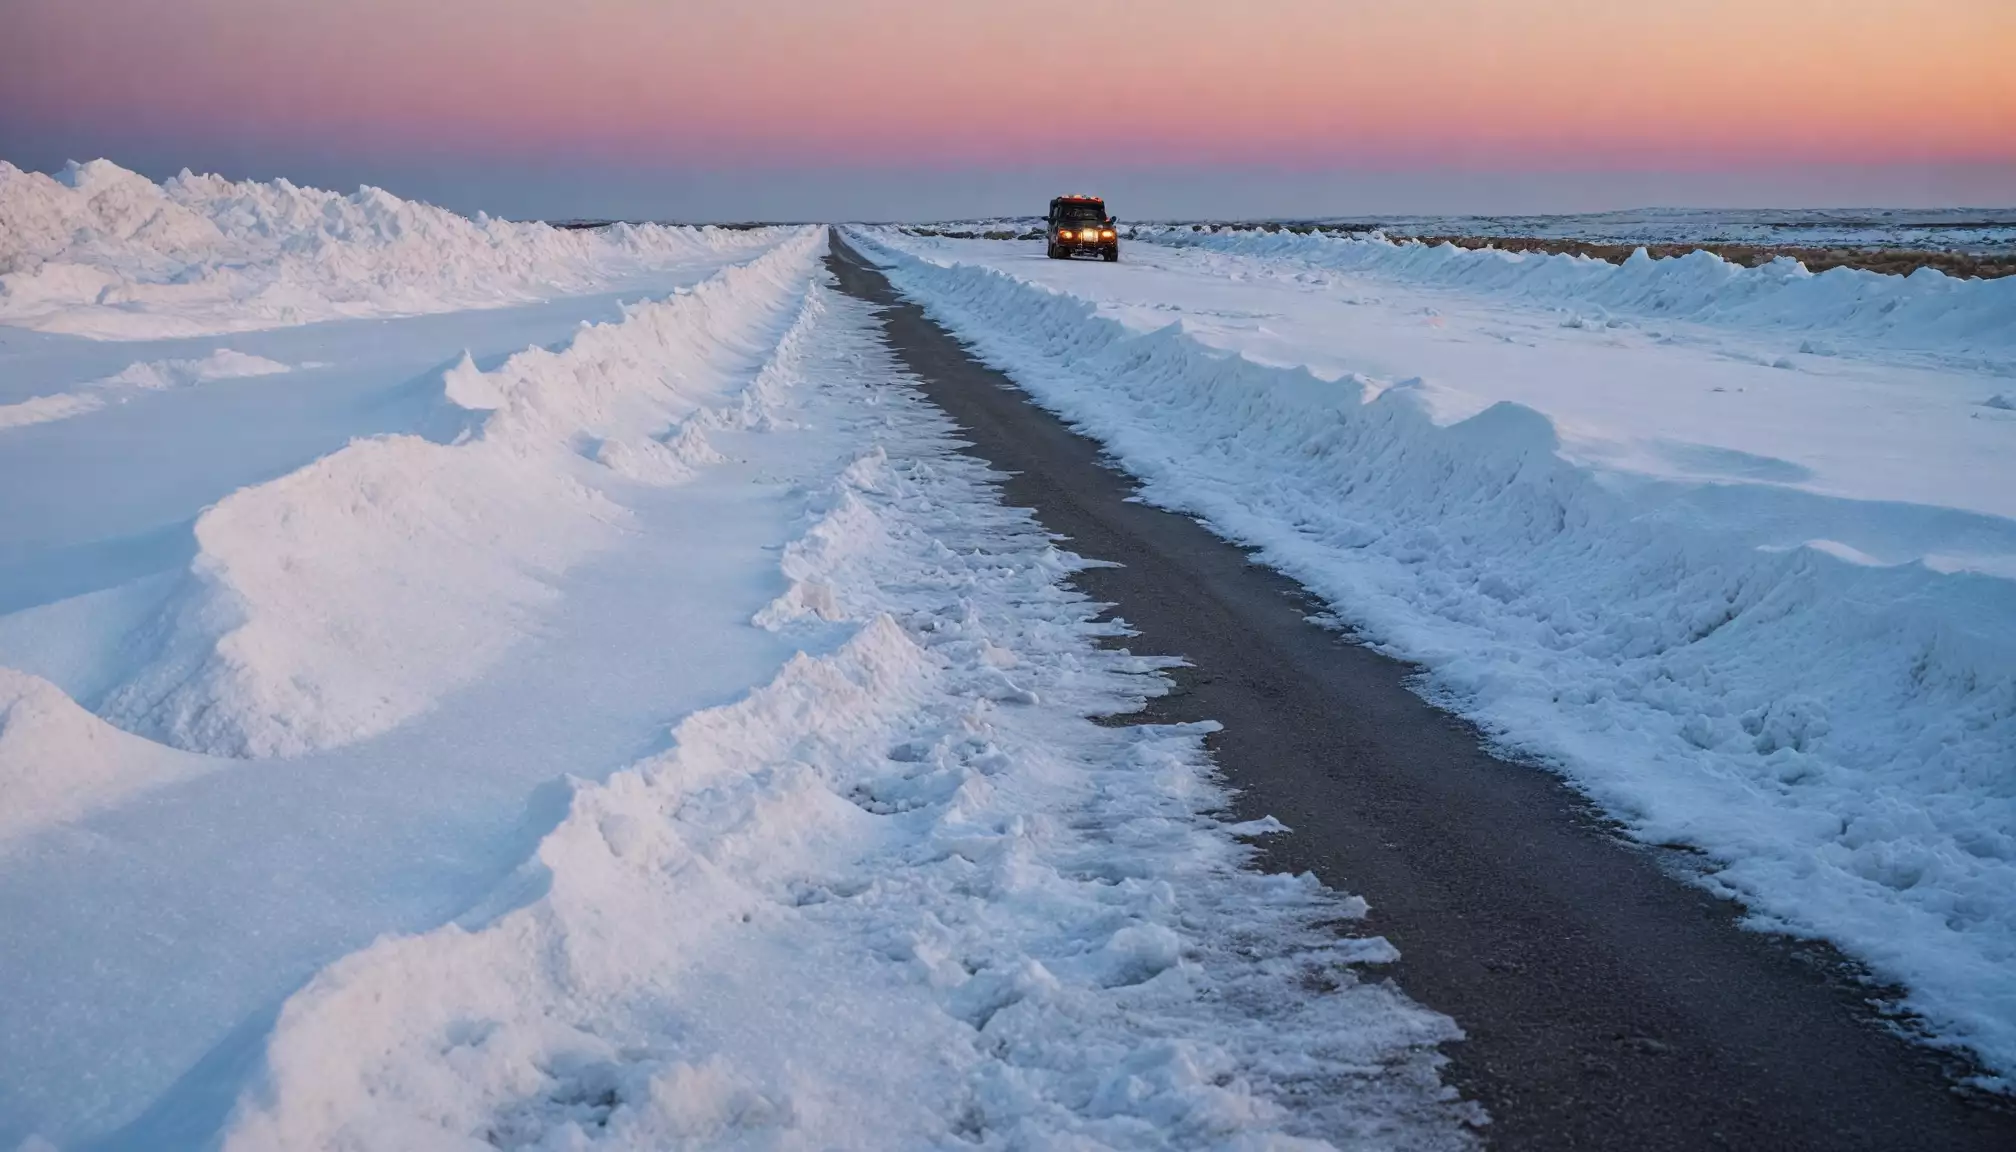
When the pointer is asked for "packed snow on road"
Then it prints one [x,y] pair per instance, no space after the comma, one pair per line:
[470,684]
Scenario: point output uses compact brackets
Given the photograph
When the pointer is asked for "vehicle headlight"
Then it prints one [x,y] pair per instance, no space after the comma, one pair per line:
[1106,235]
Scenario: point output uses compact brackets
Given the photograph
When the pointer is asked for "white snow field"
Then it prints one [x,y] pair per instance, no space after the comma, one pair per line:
[608,722]
[99,251]
[1959,322]
[1986,230]
[1733,550]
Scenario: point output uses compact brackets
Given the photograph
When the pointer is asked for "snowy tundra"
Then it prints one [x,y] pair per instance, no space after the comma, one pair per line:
[467,684]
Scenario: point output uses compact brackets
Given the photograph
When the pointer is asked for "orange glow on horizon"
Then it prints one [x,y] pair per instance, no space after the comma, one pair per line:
[1543,84]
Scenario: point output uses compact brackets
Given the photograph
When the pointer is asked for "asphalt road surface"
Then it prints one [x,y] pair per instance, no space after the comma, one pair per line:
[1607,1004]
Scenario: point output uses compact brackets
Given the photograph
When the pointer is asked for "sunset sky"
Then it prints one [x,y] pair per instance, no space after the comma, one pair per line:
[835,108]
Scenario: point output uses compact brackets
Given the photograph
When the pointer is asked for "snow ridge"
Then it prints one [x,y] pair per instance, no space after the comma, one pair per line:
[1833,736]
[150,375]
[223,364]
[337,601]
[1925,311]
[103,252]
[50,408]
[883,901]
[57,760]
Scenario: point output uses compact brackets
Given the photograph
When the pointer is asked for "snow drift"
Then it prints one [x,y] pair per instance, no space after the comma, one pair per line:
[1835,737]
[883,901]
[334,602]
[56,759]
[45,409]
[1926,311]
[1960,229]
[149,375]
[223,364]
[100,251]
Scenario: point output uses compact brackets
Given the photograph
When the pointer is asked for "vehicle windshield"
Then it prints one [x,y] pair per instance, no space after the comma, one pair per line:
[1096,213]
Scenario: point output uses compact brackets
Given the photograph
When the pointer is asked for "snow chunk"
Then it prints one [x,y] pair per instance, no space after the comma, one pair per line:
[466,386]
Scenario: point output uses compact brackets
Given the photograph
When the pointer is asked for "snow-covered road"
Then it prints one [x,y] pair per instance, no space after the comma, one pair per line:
[1756,601]
[709,753]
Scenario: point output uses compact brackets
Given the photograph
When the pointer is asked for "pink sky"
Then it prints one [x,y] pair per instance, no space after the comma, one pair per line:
[1309,85]
[1576,83]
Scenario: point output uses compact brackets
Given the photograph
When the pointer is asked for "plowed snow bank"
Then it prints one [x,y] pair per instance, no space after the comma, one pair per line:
[906,895]
[100,251]
[1834,735]
[334,602]
[1927,310]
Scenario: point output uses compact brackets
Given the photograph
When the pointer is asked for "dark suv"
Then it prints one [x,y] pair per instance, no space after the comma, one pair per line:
[1080,224]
